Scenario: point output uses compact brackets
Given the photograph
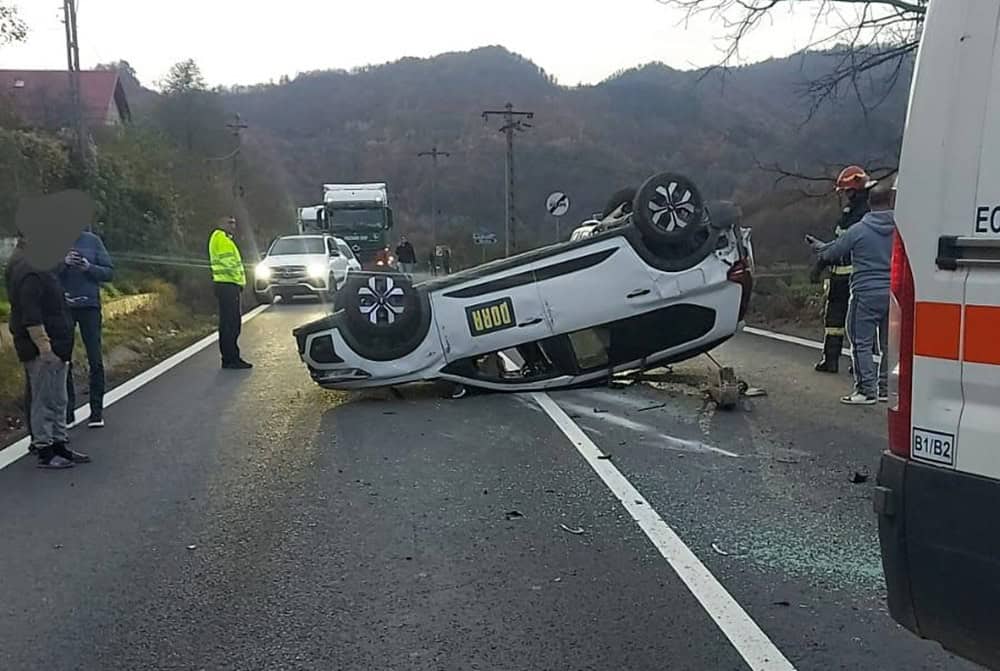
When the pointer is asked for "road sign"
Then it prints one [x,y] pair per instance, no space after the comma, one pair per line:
[484,238]
[557,204]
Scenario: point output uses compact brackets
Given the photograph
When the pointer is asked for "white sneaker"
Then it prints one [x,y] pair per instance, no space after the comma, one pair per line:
[883,397]
[95,423]
[857,398]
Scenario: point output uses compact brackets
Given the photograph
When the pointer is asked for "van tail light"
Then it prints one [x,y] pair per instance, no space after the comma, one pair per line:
[902,307]
[740,273]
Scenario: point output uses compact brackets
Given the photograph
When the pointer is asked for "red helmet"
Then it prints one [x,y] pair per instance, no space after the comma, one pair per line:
[853,177]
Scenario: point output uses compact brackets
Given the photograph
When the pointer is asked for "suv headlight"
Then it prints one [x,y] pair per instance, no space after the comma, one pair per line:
[317,271]
[262,272]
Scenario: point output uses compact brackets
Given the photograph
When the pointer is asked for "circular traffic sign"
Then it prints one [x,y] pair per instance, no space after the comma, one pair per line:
[557,204]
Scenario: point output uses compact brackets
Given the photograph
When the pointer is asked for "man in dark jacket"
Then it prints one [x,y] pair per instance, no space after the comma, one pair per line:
[853,183]
[86,266]
[406,255]
[43,340]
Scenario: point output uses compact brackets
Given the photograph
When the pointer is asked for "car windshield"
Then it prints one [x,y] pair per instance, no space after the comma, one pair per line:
[363,219]
[287,246]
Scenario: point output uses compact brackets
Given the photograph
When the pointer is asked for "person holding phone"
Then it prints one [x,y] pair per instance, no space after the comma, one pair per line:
[85,268]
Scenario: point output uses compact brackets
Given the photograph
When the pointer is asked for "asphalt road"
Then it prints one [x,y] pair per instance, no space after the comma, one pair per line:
[250,520]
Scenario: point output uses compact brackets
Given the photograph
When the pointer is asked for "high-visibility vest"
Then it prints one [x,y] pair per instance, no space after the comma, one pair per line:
[224,255]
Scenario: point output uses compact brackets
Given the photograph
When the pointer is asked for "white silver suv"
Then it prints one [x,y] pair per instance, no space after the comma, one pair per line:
[303,265]
[667,280]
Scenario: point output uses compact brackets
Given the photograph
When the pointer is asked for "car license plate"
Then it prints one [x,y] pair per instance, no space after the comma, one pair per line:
[491,317]
[933,446]
[287,280]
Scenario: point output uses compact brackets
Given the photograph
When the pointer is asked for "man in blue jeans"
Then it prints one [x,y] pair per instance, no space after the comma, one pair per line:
[86,266]
[869,244]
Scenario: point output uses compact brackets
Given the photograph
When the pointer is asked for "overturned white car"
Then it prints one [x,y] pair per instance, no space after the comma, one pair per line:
[662,278]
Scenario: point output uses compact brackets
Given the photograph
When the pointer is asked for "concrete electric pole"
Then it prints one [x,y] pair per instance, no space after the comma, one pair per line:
[512,121]
[73,71]
[434,154]
[237,126]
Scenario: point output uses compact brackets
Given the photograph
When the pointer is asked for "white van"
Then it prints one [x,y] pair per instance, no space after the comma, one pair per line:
[938,496]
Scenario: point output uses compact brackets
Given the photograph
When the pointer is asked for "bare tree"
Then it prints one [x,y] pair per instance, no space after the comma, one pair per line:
[12,28]
[871,41]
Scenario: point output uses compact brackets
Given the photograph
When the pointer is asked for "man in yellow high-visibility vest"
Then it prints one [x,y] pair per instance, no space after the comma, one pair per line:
[229,278]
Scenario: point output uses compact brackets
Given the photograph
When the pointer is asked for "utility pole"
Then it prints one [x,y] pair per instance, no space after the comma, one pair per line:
[434,153]
[237,126]
[512,121]
[73,71]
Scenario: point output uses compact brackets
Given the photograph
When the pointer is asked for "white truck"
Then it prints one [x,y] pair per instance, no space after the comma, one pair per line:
[357,213]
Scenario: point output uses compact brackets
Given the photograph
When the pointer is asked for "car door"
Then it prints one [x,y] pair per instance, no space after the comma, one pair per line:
[490,313]
[595,284]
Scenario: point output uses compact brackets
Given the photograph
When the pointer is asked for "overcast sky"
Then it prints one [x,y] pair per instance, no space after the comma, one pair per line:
[249,41]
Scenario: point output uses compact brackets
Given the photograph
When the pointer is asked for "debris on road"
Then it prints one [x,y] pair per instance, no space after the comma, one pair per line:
[604,456]
[719,550]
[859,478]
[192,547]
[780,603]
[655,406]
[786,460]
[576,532]
[598,411]
[751,392]
[514,514]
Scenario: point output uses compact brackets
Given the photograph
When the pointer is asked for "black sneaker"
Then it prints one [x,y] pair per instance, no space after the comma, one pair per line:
[238,365]
[459,391]
[61,450]
[55,462]
[95,422]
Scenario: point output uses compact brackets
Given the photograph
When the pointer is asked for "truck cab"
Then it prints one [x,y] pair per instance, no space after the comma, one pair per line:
[939,482]
[360,215]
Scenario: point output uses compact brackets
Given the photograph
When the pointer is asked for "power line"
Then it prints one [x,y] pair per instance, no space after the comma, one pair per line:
[513,121]
[434,153]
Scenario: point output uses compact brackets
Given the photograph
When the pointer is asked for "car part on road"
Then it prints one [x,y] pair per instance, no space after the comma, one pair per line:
[578,531]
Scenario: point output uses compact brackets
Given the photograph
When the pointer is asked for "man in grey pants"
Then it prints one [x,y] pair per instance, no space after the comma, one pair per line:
[869,244]
[43,340]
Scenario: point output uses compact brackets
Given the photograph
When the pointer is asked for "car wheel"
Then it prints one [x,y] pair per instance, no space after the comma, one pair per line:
[265,298]
[667,208]
[380,308]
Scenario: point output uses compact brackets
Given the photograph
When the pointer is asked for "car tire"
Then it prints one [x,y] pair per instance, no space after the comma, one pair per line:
[382,310]
[667,209]
[266,298]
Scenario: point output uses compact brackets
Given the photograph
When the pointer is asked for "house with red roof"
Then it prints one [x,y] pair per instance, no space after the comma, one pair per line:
[42,98]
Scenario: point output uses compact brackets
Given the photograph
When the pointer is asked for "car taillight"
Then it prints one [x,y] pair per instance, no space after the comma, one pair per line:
[740,273]
[902,307]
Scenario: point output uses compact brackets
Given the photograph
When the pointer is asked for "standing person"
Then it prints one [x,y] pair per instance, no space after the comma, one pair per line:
[853,184]
[43,340]
[406,255]
[446,260]
[869,243]
[229,277]
[86,266]
[432,264]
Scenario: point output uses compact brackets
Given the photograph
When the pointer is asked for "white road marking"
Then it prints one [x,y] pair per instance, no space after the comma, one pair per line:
[669,442]
[18,449]
[746,636]
[795,340]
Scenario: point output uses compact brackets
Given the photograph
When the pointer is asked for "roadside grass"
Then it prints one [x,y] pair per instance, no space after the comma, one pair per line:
[786,301]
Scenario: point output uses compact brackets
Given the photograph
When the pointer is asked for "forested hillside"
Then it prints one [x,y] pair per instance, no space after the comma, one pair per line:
[370,124]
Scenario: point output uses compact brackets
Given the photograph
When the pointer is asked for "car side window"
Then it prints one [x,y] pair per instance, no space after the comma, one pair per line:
[332,247]
[346,250]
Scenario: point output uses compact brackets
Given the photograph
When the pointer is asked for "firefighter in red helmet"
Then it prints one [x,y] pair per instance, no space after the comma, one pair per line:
[853,184]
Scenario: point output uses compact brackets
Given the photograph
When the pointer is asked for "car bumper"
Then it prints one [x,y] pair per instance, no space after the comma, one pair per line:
[941,554]
[304,288]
